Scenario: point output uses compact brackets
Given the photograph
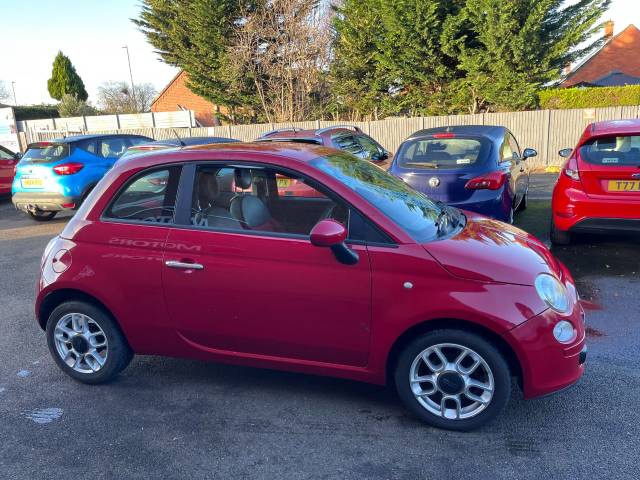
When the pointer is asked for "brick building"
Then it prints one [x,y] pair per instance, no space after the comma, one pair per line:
[177,96]
[617,63]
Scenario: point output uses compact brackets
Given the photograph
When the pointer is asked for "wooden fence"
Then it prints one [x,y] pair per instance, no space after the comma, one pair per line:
[545,130]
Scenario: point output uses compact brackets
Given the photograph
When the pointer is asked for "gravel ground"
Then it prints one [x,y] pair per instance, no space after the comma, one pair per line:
[169,418]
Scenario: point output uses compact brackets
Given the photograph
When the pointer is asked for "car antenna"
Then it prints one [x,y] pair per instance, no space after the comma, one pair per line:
[182,144]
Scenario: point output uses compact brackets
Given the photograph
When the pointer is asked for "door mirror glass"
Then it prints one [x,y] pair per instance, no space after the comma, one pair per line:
[565,152]
[529,152]
[328,233]
[18,155]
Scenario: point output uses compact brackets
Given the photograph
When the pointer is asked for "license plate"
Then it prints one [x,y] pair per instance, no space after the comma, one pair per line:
[624,186]
[283,182]
[32,183]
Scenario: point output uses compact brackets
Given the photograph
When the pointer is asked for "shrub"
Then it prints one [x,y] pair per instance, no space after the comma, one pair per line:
[71,106]
[35,112]
[562,98]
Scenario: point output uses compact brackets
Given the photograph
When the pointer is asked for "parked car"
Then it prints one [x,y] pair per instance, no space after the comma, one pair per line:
[598,189]
[59,174]
[342,137]
[370,280]
[174,143]
[8,161]
[474,167]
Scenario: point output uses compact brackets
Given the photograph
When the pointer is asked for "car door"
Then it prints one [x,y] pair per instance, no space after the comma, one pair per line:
[7,165]
[256,286]
[521,169]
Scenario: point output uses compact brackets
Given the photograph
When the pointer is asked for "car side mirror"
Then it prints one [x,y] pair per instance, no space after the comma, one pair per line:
[529,152]
[332,234]
[18,155]
[565,152]
[379,157]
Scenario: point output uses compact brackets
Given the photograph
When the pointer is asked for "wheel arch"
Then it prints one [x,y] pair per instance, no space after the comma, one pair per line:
[408,335]
[57,297]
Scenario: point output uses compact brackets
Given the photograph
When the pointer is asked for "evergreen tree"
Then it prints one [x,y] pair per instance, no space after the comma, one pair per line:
[195,37]
[508,49]
[65,80]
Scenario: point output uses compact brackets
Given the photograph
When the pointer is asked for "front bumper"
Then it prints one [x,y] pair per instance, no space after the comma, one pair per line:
[45,201]
[547,365]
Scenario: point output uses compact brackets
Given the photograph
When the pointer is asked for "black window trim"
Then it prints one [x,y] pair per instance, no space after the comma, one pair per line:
[185,192]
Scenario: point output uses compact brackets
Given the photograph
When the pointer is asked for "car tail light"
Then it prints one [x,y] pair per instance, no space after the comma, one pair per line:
[444,135]
[570,168]
[68,168]
[490,181]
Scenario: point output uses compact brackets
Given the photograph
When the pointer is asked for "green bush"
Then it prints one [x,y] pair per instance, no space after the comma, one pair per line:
[562,98]
[35,112]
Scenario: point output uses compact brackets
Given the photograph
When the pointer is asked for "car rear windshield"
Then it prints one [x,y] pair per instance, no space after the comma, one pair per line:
[612,151]
[410,210]
[443,153]
[46,152]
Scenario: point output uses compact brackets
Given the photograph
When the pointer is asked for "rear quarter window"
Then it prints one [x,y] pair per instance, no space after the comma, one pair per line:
[612,151]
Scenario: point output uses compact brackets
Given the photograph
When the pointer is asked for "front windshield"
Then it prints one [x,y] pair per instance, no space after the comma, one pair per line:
[410,210]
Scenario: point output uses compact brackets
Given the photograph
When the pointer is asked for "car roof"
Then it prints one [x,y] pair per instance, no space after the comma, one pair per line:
[187,141]
[308,134]
[613,126]
[491,131]
[96,136]
[290,150]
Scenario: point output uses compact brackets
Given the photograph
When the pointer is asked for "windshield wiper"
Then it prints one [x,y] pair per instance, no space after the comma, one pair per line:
[424,164]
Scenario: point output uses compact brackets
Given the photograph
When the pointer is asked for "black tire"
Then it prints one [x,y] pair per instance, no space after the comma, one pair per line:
[41,216]
[523,202]
[490,354]
[559,237]
[119,353]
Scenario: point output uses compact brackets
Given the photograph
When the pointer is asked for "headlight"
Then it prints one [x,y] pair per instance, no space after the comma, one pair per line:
[564,331]
[552,292]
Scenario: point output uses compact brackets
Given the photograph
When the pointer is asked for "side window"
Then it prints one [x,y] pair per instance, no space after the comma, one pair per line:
[90,146]
[136,141]
[507,153]
[513,144]
[259,200]
[113,147]
[348,143]
[5,155]
[371,148]
[149,198]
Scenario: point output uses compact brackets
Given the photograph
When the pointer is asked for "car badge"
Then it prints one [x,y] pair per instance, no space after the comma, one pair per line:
[434,182]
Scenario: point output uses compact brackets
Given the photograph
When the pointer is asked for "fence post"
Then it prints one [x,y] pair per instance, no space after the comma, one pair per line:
[547,138]
[117,121]
[229,131]
[153,120]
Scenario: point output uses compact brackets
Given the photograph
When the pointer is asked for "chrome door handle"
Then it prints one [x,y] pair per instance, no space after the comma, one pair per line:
[185,265]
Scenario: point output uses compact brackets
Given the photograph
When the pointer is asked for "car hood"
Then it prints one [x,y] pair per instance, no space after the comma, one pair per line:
[492,251]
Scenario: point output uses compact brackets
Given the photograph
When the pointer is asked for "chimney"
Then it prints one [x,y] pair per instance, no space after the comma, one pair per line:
[608,30]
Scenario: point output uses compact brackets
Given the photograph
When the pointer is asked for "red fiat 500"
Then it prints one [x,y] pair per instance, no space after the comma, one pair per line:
[196,253]
[598,190]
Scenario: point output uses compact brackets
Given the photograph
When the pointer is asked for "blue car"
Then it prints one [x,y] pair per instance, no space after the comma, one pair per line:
[473,167]
[58,175]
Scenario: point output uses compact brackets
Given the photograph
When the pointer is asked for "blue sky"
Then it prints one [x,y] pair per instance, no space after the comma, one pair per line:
[92,33]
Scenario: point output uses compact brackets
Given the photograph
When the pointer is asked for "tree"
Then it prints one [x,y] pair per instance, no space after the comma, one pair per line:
[509,49]
[195,37]
[117,97]
[282,47]
[72,106]
[64,79]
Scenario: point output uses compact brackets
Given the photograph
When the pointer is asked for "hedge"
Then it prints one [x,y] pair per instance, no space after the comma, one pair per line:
[593,97]
[36,112]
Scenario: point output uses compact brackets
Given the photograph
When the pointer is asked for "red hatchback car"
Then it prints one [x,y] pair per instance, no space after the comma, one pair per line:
[195,253]
[598,190]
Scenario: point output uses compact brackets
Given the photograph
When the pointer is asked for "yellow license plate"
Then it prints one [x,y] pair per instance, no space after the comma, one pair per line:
[623,186]
[283,182]
[32,182]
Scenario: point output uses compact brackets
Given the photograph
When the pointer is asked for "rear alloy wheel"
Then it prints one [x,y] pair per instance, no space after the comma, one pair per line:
[453,379]
[86,343]
[41,215]
[559,237]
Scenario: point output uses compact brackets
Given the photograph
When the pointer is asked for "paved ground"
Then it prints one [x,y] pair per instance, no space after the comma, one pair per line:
[167,418]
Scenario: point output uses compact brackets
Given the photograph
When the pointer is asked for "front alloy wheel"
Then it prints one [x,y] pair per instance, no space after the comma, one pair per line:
[453,379]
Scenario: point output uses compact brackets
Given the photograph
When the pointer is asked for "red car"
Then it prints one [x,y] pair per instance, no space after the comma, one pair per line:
[8,162]
[598,189]
[369,280]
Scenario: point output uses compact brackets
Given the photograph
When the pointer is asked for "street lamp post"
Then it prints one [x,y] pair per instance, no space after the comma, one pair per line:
[133,88]
[13,87]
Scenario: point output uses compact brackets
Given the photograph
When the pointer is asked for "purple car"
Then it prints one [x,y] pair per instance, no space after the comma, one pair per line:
[473,167]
